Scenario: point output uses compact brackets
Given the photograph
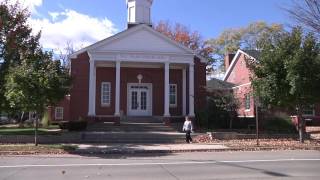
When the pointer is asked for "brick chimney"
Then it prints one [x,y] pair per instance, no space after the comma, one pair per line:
[228,59]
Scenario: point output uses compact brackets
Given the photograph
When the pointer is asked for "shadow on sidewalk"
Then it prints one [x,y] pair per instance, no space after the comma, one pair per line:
[116,151]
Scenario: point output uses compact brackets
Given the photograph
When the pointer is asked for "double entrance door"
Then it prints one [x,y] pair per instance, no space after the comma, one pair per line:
[139,99]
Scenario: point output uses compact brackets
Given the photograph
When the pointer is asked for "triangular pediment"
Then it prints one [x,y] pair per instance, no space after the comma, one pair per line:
[140,39]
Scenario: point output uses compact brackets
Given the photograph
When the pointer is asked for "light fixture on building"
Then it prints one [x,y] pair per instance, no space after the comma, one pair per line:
[139,77]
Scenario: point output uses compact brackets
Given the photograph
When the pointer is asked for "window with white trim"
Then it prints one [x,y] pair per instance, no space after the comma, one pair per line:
[105,93]
[58,114]
[247,101]
[173,95]
[308,111]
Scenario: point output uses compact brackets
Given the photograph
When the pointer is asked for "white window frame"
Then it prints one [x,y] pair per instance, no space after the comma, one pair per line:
[245,102]
[109,94]
[313,111]
[57,114]
[175,95]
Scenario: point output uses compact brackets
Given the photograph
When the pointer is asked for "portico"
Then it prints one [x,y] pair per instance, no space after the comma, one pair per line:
[141,100]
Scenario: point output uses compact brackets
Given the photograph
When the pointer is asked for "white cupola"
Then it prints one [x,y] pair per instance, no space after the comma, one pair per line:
[139,12]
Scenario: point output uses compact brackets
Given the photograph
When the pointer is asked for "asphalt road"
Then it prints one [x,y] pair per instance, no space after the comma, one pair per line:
[211,165]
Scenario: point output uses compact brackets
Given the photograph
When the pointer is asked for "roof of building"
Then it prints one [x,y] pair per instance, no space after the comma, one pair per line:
[217,84]
[133,29]
[252,53]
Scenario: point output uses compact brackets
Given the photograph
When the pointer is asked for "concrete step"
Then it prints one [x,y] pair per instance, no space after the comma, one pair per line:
[132,137]
[132,130]
[130,127]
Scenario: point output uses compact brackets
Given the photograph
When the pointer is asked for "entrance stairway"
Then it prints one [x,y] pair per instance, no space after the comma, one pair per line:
[132,130]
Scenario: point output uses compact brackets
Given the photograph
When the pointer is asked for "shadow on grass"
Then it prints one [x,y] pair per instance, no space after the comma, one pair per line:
[14,129]
[27,131]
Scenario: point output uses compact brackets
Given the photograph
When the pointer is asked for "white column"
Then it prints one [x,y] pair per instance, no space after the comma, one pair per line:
[184,92]
[117,94]
[191,90]
[92,89]
[166,89]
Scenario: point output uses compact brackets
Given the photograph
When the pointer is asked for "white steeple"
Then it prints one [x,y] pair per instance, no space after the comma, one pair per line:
[139,12]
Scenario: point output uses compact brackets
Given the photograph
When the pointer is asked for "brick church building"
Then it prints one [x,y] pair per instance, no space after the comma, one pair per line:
[137,72]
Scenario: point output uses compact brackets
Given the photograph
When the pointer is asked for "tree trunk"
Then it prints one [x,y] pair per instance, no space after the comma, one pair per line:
[301,124]
[231,119]
[36,131]
[257,124]
[21,119]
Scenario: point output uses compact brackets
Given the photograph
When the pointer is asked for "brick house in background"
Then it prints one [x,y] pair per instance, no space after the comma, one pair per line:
[238,74]
[137,72]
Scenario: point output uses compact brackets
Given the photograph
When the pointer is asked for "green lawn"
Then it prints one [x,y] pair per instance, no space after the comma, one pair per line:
[15,130]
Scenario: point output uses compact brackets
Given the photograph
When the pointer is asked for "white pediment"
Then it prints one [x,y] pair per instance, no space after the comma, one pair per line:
[139,43]
[140,39]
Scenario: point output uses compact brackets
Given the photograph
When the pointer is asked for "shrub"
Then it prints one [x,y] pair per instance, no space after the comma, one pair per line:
[279,125]
[79,125]
[220,111]
[63,125]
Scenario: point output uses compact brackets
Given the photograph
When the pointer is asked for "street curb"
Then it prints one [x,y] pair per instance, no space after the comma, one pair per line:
[131,152]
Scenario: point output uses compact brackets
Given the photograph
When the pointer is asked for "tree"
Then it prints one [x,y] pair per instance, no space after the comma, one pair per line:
[64,54]
[36,83]
[190,39]
[249,37]
[220,110]
[306,13]
[287,73]
[29,79]
[15,40]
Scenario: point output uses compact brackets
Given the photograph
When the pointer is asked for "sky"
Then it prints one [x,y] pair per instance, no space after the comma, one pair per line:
[83,22]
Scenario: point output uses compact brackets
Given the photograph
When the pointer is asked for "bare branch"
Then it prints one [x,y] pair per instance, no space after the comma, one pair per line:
[306,13]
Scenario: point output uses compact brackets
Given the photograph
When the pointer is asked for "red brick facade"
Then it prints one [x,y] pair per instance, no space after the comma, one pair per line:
[65,104]
[79,95]
[240,76]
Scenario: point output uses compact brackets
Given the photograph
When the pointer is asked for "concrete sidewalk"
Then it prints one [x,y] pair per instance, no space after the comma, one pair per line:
[145,148]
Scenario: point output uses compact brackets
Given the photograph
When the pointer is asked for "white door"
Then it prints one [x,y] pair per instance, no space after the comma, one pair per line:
[139,100]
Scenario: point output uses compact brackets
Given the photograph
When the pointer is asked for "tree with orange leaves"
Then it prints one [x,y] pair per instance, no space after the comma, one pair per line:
[190,39]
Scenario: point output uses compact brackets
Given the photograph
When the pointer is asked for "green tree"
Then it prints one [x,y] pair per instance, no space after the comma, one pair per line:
[15,39]
[249,37]
[29,79]
[287,73]
[36,83]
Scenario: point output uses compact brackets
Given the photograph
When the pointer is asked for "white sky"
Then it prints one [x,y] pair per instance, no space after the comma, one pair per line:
[67,26]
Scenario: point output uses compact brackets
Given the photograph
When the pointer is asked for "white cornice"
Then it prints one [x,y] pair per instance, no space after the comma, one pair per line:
[140,57]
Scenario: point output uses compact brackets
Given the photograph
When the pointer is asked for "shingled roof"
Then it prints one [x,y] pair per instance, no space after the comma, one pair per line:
[253,53]
[217,84]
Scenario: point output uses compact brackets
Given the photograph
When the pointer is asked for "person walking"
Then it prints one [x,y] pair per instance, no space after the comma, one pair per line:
[187,127]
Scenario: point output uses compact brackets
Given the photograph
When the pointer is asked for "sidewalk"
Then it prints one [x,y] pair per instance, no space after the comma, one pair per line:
[145,148]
